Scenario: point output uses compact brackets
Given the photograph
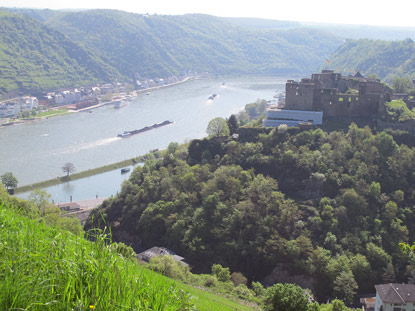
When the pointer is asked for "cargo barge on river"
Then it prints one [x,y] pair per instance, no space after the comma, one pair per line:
[144,129]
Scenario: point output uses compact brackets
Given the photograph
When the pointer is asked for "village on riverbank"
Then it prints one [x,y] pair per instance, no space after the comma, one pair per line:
[49,104]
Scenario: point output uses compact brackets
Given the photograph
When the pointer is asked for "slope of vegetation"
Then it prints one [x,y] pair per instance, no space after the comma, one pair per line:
[45,267]
[161,45]
[386,59]
[36,57]
[397,111]
[328,208]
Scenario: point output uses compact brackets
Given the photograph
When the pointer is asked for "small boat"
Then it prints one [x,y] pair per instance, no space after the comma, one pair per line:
[125,170]
[213,96]
[148,93]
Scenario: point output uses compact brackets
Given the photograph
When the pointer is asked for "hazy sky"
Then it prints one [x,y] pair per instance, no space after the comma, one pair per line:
[366,12]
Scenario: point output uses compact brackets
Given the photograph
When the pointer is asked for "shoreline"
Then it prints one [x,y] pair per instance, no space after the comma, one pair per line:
[70,111]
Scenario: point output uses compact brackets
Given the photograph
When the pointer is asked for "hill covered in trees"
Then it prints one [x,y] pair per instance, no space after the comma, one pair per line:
[386,59]
[329,209]
[45,49]
[159,45]
[34,56]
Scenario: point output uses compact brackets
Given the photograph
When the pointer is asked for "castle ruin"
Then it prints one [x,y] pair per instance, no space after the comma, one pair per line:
[331,95]
[337,96]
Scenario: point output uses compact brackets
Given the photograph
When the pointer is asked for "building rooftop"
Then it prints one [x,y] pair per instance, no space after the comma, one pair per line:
[396,293]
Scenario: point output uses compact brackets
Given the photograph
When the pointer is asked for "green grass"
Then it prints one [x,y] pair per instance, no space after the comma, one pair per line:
[204,300]
[45,268]
[53,113]
[75,176]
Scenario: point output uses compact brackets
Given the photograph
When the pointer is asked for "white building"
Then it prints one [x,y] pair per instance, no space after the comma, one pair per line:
[28,103]
[395,297]
[275,117]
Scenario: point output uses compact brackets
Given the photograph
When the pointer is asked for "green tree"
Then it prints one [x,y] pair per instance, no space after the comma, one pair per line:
[238,278]
[221,273]
[233,124]
[9,180]
[217,127]
[286,297]
[345,286]
[41,199]
[68,168]
[401,84]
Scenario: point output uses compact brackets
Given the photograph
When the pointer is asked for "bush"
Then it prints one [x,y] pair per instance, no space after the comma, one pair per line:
[238,278]
[286,297]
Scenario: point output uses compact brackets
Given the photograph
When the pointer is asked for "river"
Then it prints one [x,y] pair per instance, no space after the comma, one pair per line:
[36,151]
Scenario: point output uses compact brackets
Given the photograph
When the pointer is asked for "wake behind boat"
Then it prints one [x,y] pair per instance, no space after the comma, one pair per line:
[144,129]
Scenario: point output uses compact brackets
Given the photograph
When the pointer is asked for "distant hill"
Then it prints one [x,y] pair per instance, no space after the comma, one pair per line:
[46,49]
[386,59]
[261,23]
[160,45]
[365,31]
[34,56]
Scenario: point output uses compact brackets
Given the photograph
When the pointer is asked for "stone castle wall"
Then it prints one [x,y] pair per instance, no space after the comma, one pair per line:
[323,92]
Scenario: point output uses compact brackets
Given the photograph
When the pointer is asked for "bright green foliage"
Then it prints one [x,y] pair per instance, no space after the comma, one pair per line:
[221,273]
[9,180]
[170,267]
[217,127]
[398,111]
[49,269]
[286,297]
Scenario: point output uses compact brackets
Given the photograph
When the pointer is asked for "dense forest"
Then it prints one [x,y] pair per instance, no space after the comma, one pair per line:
[385,59]
[36,57]
[329,208]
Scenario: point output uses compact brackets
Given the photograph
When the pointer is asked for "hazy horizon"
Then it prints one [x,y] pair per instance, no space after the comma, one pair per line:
[319,11]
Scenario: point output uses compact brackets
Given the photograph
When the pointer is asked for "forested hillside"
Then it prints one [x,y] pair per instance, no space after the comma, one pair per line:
[386,59]
[329,208]
[36,57]
[159,45]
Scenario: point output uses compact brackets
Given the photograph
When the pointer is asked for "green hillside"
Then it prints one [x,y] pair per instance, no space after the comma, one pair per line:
[36,57]
[161,45]
[386,59]
[47,268]
[327,208]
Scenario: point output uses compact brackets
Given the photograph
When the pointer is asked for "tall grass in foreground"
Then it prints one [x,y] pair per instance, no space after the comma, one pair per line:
[43,268]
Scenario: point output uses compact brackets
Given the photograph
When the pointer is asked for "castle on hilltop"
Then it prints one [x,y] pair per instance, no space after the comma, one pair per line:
[329,94]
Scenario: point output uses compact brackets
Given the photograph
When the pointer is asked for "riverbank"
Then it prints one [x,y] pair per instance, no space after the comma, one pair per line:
[51,113]
[75,176]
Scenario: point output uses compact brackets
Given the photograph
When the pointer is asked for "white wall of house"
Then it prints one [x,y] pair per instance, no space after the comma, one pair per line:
[276,117]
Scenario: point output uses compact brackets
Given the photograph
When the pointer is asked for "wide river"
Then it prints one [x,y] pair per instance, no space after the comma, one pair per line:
[36,151]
